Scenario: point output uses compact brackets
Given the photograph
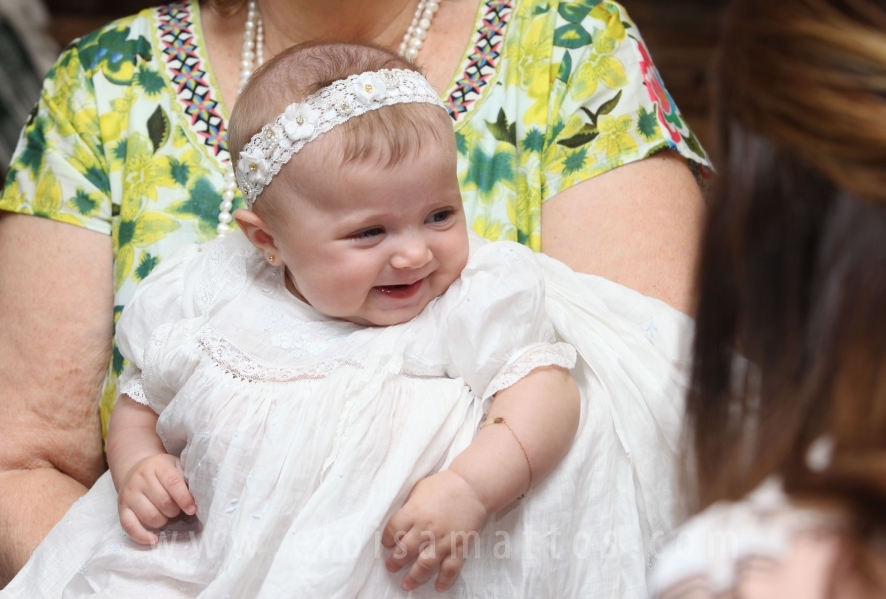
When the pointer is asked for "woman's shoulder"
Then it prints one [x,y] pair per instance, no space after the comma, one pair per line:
[567,92]
[117,50]
[750,547]
[566,32]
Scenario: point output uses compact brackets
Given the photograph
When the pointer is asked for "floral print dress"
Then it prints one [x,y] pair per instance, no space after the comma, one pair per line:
[128,138]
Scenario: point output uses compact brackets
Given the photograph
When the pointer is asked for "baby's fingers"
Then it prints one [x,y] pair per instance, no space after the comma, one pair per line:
[173,481]
[162,501]
[396,528]
[146,511]
[135,529]
[449,569]
[406,547]
[423,568]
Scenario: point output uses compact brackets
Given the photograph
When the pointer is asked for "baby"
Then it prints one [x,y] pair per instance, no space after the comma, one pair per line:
[326,382]
[351,384]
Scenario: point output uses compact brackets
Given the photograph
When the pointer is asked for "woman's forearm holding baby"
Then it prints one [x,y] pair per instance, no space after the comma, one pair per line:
[56,290]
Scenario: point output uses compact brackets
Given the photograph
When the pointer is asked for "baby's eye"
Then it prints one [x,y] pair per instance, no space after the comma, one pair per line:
[440,216]
[368,233]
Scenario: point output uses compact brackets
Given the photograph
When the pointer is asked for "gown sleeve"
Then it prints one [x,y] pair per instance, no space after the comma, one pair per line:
[160,300]
[497,329]
[171,304]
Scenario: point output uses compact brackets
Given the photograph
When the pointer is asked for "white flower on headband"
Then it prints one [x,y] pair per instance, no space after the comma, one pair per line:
[299,121]
[253,167]
[370,88]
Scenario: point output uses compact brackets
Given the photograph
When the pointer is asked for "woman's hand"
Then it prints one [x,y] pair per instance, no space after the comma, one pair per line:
[436,527]
[152,492]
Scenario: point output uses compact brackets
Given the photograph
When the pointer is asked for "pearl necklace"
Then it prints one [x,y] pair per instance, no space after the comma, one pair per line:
[418,29]
[252,57]
[253,44]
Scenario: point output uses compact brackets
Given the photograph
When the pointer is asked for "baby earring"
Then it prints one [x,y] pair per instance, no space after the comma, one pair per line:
[271,259]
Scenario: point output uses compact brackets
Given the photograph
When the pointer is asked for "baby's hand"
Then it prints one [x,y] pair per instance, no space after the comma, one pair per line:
[436,525]
[153,492]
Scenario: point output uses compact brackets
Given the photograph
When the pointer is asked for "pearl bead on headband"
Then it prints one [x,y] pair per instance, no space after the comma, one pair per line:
[303,122]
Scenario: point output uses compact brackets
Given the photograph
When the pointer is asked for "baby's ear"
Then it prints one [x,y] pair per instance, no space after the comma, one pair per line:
[256,231]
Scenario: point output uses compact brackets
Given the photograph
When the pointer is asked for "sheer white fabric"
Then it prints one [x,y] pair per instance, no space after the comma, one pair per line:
[301,435]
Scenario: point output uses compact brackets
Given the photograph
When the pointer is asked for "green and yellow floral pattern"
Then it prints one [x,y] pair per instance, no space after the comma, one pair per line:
[116,146]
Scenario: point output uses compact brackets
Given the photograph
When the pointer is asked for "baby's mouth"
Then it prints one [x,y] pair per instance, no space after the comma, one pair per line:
[400,291]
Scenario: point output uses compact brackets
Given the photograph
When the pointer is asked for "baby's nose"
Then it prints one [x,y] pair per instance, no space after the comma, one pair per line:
[412,253]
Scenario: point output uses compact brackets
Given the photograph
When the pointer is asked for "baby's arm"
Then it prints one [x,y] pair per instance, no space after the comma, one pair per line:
[541,413]
[150,483]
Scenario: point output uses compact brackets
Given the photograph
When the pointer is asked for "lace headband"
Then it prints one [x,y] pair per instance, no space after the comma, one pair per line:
[303,122]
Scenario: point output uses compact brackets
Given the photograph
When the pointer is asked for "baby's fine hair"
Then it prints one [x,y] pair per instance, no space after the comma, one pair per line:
[387,135]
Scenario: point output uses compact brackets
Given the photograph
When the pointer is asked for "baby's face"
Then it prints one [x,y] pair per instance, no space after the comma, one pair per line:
[375,245]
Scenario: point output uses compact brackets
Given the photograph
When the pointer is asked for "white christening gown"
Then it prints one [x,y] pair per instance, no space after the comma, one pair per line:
[300,435]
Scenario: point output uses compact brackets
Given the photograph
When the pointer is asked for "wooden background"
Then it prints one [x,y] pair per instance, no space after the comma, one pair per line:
[681,34]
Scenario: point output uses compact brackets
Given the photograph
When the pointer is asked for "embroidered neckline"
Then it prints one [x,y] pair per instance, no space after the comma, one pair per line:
[479,65]
[186,67]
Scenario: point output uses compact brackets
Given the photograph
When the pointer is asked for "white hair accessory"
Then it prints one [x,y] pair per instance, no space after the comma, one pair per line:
[305,121]
[820,454]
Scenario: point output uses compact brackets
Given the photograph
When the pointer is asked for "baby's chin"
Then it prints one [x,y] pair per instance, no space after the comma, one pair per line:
[385,319]
[388,318]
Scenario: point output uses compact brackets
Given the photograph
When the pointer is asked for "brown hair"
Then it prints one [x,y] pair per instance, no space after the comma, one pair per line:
[388,135]
[793,274]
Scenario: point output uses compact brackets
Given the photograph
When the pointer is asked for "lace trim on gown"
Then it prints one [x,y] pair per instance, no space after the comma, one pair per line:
[131,384]
[241,365]
[528,359]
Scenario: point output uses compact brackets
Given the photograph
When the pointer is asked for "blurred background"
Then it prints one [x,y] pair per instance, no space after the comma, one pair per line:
[681,34]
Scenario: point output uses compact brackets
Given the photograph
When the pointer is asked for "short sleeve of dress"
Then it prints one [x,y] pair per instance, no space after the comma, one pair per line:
[608,105]
[496,326]
[172,304]
[59,170]
[158,301]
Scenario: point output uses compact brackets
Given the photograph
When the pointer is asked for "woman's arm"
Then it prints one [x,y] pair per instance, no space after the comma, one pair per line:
[638,225]
[56,325]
